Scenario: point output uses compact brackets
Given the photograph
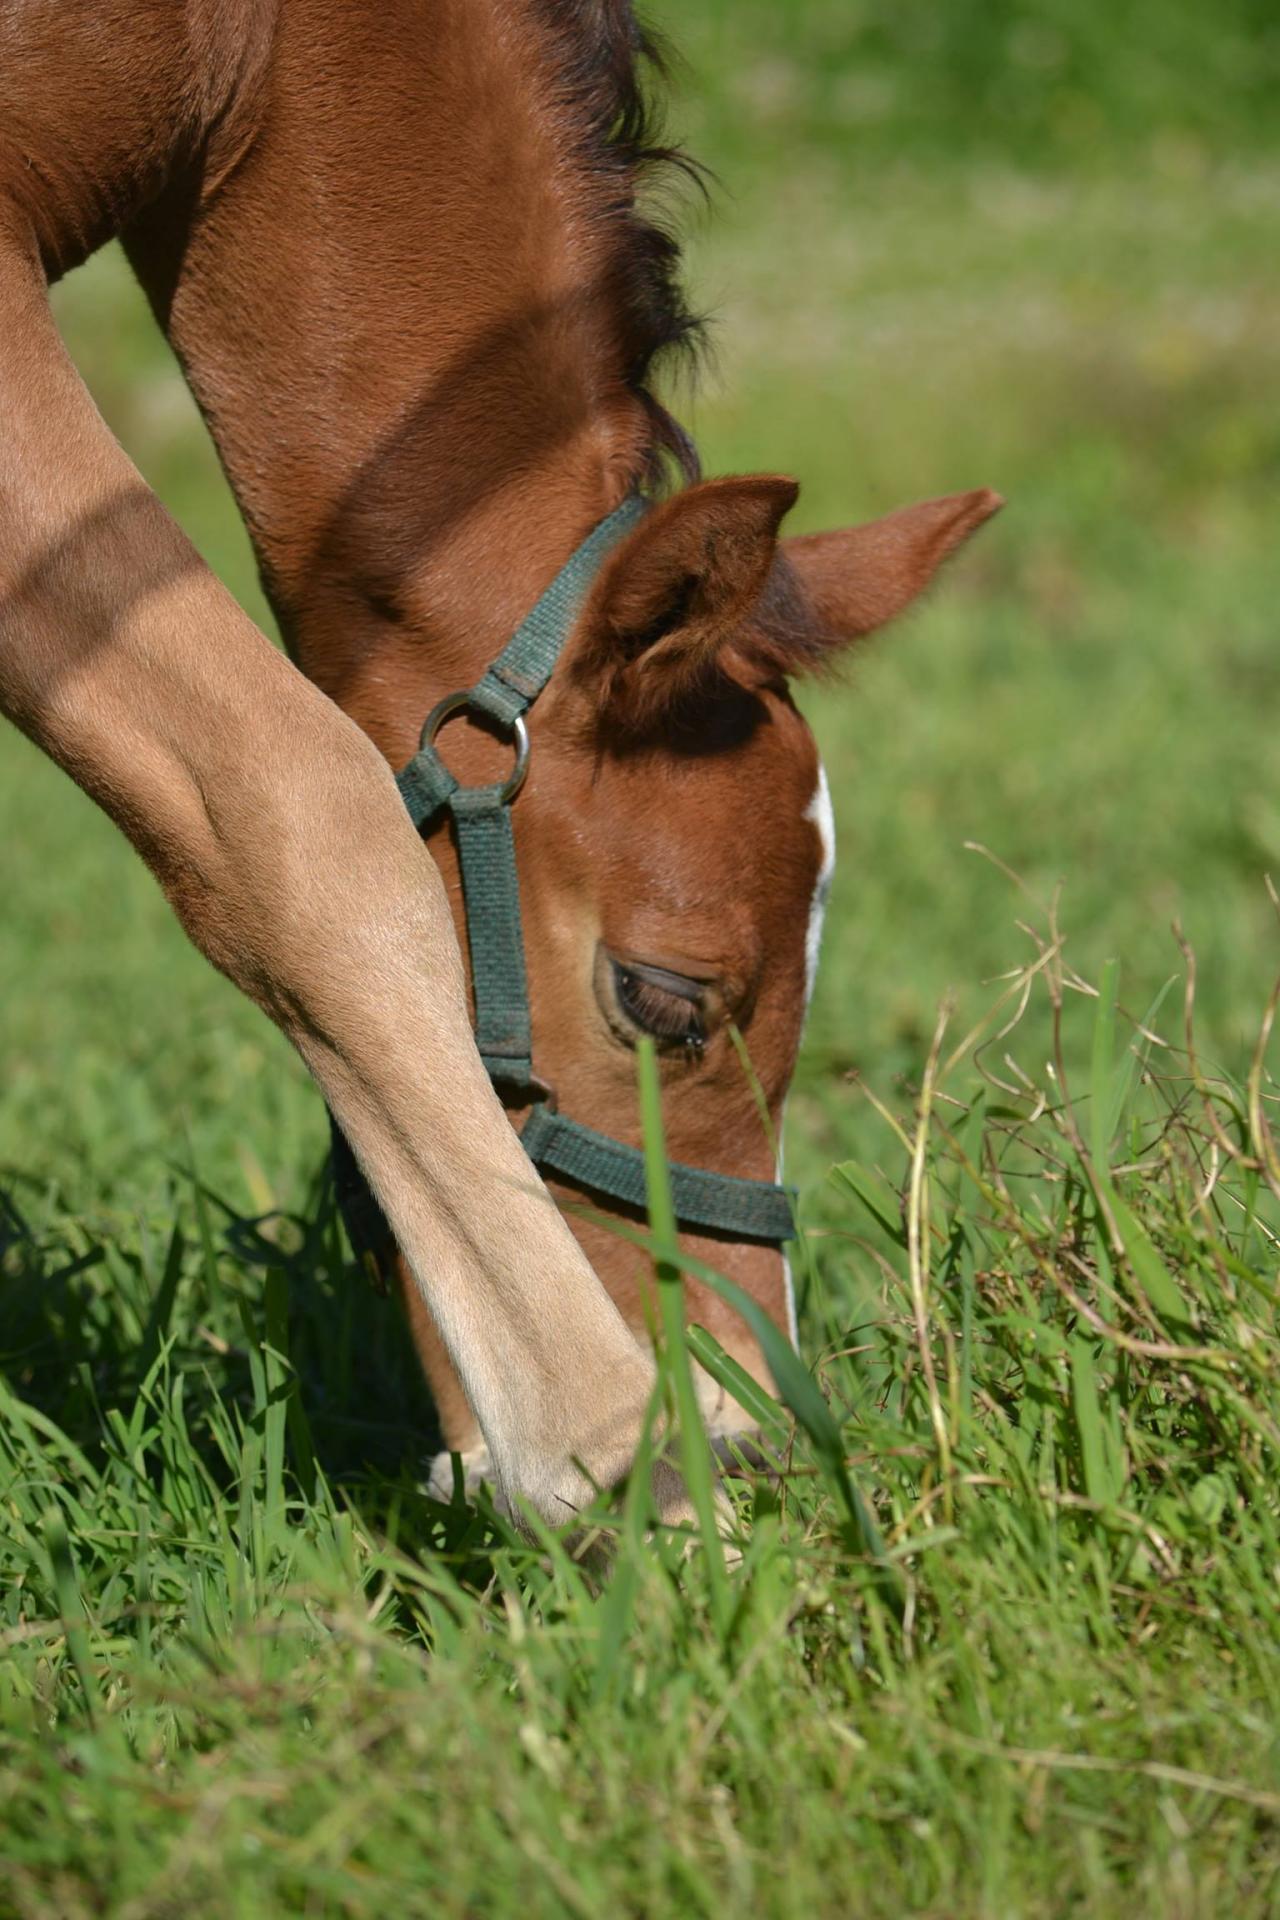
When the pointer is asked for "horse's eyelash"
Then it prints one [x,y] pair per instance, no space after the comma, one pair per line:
[666,1015]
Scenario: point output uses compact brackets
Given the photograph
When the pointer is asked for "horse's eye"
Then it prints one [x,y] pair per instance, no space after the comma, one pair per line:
[667,1005]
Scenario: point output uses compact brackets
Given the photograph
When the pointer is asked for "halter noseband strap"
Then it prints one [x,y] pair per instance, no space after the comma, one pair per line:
[746,1209]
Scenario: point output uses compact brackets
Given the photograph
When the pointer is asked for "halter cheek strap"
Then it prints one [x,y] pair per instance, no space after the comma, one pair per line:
[481,816]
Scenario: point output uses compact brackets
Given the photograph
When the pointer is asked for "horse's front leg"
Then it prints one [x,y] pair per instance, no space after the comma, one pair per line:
[277,832]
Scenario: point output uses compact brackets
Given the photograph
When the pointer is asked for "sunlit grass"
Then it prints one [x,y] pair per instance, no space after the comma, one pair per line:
[257,1673]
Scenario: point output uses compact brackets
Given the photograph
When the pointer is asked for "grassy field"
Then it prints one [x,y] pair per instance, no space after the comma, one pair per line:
[1004,1641]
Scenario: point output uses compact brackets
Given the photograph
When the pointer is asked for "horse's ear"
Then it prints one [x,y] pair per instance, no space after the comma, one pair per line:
[857,579]
[676,594]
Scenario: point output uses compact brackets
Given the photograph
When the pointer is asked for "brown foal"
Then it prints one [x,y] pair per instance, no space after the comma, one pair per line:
[397,248]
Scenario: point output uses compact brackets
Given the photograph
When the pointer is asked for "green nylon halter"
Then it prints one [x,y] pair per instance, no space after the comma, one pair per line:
[481,816]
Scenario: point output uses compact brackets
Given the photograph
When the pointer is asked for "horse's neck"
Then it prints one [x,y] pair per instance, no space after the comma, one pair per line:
[394,310]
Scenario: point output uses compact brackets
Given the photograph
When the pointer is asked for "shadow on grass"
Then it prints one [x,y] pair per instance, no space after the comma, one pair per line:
[90,1307]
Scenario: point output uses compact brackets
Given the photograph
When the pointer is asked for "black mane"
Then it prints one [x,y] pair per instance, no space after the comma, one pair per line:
[607,63]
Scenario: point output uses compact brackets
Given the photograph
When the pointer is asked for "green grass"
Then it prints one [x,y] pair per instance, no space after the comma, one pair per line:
[250,1669]
[1003,1641]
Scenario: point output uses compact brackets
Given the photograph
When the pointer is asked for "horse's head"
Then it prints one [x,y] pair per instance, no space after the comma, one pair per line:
[674,840]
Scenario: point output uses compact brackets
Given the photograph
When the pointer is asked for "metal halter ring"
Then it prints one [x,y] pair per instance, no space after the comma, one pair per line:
[455,703]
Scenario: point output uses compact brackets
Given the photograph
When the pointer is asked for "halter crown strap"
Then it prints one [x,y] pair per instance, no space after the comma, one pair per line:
[512,683]
[481,817]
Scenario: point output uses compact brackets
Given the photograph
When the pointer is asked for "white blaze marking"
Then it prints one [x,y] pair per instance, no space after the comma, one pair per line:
[793,1325]
[819,812]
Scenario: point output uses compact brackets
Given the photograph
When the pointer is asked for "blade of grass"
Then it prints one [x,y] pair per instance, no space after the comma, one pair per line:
[737,1382]
[879,1199]
[1102,1118]
[66,1587]
[695,1453]
[1088,1417]
[616,1608]
[277,1310]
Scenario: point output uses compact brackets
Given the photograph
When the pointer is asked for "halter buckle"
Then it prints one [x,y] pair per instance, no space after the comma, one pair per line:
[453,703]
